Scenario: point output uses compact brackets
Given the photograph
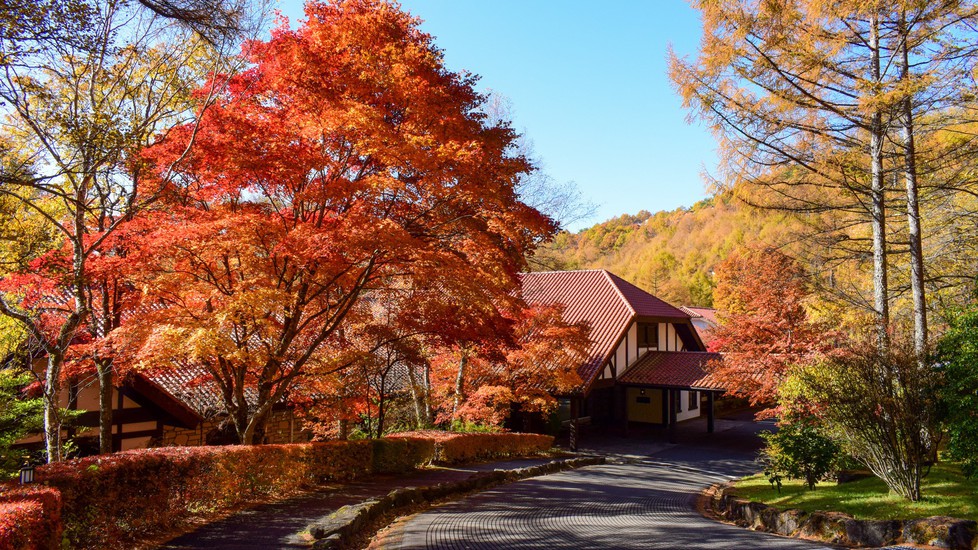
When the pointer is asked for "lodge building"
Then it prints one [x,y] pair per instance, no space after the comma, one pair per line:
[647,363]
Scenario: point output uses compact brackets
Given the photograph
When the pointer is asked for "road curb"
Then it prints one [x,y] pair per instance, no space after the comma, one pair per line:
[338,528]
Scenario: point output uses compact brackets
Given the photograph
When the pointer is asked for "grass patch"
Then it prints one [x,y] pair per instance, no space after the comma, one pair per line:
[946,493]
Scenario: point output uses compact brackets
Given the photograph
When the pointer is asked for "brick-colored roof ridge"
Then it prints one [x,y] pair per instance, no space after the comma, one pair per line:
[616,283]
[563,271]
[609,276]
[618,291]
[690,311]
[668,310]
[590,296]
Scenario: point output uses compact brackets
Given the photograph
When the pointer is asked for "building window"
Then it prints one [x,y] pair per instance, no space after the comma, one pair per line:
[648,335]
[694,400]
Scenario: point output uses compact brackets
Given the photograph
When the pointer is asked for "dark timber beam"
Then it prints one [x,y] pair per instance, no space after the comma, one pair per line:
[664,393]
[709,412]
[673,400]
[621,406]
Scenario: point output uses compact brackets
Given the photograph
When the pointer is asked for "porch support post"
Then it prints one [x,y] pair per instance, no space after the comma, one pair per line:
[575,412]
[709,412]
[673,399]
[666,405]
[621,406]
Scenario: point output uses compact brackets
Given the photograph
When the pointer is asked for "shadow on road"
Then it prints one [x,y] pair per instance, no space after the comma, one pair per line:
[644,498]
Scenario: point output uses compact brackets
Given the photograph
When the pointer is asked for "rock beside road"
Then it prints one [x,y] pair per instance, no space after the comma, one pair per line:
[839,528]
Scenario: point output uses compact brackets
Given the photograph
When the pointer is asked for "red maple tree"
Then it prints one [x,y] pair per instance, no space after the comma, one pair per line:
[348,156]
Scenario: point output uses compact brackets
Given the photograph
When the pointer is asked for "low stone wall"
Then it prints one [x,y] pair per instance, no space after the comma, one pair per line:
[186,437]
[280,428]
[839,528]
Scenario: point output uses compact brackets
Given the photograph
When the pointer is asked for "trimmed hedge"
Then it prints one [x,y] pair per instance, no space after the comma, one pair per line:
[392,456]
[466,447]
[114,500]
[129,495]
[30,517]
[469,447]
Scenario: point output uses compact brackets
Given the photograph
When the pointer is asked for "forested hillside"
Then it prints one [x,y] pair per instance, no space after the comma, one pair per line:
[671,254]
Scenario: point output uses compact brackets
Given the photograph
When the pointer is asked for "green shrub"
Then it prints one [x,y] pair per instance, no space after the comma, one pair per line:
[19,416]
[464,426]
[798,451]
[957,353]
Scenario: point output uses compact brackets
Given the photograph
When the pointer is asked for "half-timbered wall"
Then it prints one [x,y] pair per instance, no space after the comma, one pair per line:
[628,350]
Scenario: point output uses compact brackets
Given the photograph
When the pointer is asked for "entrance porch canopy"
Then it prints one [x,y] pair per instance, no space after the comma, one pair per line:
[672,371]
[682,370]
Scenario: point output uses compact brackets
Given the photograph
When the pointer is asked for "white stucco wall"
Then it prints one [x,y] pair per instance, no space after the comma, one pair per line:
[685,413]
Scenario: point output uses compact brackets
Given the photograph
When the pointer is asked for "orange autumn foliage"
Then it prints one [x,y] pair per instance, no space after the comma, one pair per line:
[764,328]
[347,158]
[529,374]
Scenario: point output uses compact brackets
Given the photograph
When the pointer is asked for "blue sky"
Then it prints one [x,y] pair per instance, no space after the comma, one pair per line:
[588,85]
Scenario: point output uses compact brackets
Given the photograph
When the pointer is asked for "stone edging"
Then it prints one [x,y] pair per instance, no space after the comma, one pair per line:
[334,530]
[839,528]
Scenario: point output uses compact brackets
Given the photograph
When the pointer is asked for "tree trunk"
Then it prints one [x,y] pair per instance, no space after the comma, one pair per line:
[254,428]
[243,426]
[52,409]
[878,200]
[419,395]
[381,409]
[429,416]
[259,429]
[104,369]
[415,396]
[913,209]
[459,383]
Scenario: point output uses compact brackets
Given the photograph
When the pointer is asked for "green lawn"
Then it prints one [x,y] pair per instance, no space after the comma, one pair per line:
[946,493]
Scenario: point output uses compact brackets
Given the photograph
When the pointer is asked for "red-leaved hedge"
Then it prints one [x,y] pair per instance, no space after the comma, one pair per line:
[115,500]
[126,496]
[30,517]
[466,447]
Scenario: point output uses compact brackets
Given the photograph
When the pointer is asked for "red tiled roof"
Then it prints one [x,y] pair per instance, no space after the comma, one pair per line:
[602,300]
[707,313]
[674,369]
[704,319]
[590,297]
[643,303]
[192,387]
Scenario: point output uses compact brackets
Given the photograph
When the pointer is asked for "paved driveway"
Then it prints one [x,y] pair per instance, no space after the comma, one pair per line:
[644,499]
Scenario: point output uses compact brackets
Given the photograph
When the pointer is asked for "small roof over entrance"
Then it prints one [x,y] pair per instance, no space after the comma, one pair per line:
[672,369]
